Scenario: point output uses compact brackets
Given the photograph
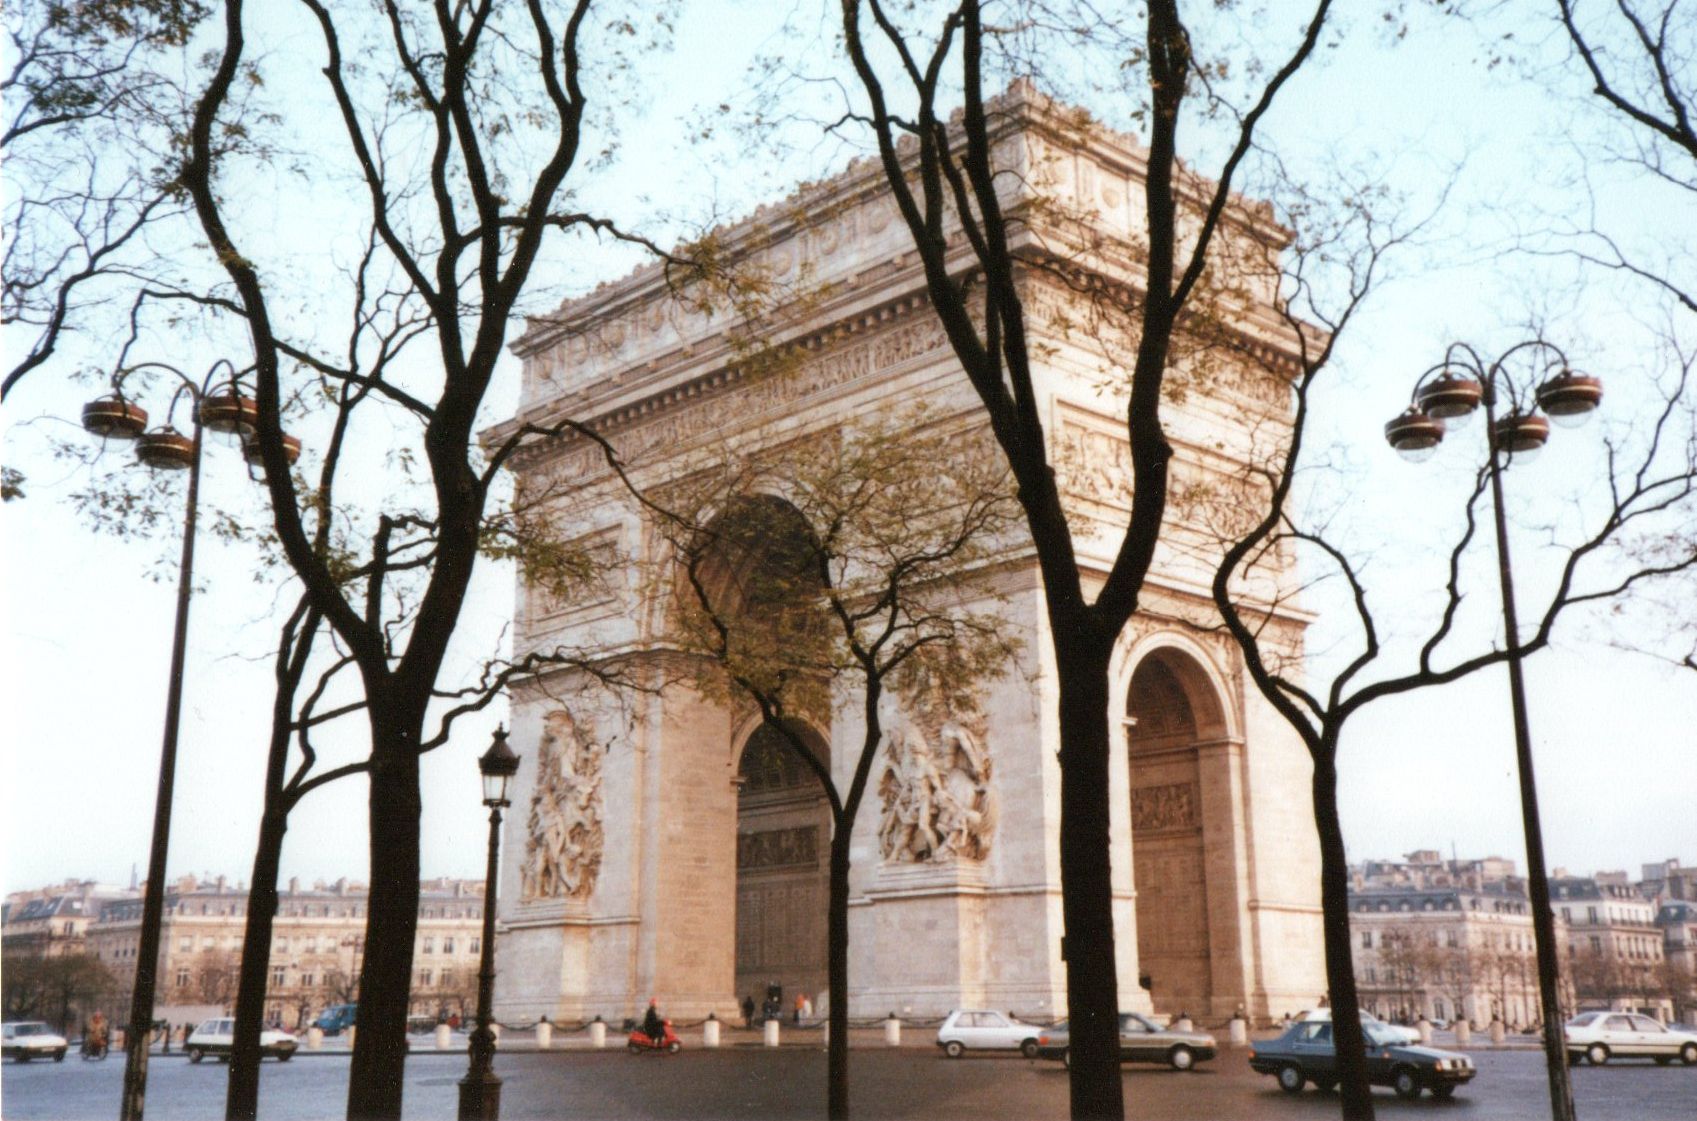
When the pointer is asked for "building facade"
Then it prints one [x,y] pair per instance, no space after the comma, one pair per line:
[1678,920]
[1445,953]
[317,946]
[662,847]
[1615,949]
[54,921]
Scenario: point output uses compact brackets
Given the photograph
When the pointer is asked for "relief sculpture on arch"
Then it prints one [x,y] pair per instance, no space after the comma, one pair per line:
[563,850]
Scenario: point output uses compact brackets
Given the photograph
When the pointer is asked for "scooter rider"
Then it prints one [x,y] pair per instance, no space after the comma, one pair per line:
[652,1025]
[94,1036]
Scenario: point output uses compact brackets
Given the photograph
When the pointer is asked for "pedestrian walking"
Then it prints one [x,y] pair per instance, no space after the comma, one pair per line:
[748,1011]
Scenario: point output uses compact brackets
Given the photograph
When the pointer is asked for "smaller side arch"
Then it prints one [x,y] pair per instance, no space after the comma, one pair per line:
[783,833]
[1179,725]
[1215,705]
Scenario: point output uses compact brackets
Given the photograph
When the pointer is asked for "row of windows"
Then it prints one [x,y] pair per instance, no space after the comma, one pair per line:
[132,911]
[1595,915]
[427,978]
[1452,938]
[428,944]
[1499,906]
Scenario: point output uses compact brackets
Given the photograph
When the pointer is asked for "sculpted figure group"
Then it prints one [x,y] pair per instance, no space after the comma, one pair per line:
[937,799]
[563,853]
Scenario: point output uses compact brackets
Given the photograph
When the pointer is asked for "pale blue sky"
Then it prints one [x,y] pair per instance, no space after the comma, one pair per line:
[88,633]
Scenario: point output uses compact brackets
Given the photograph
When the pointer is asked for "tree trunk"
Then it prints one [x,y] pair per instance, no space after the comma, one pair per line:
[1356,1095]
[1086,876]
[837,972]
[241,1102]
[391,921]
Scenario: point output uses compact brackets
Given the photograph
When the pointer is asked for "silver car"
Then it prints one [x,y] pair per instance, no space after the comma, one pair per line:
[1141,1040]
[972,1029]
[1601,1036]
[217,1038]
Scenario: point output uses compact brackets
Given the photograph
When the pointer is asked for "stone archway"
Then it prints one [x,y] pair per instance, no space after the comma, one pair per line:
[783,844]
[1171,710]
[756,570]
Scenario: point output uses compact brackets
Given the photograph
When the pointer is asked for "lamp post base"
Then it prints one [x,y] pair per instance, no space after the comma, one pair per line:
[480,1097]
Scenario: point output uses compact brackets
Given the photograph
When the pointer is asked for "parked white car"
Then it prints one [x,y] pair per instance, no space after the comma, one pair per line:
[216,1037]
[31,1039]
[1402,1035]
[970,1029]
[1601,1036]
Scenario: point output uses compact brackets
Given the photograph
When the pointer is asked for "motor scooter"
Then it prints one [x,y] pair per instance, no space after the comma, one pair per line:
[641,1042]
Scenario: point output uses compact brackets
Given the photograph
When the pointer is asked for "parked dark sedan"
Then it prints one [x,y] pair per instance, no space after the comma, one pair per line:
[1141,1040]
[1305,1054]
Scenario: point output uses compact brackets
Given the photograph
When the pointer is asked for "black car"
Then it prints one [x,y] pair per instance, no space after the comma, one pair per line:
[1141,1040]
[1304,1054]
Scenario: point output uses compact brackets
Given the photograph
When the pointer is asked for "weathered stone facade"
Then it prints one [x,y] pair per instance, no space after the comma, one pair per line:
[956,883]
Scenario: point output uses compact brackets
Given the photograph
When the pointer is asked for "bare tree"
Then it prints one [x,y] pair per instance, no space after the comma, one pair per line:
[1637,56]
[215,973]
[497,94]
[943,172]
[93,104]
[1455,976]
[1402,965]
[57,988]
[1651,483]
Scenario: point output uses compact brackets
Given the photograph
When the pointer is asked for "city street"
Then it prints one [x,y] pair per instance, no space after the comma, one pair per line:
[744,1082]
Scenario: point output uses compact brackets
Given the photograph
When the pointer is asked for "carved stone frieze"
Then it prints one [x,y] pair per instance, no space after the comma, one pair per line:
[1171,806]
[831,367]
[778,848]
[1094,464]
[563,851]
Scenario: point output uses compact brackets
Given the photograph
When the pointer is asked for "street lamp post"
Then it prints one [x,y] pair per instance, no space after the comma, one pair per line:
[480,1089]
[1463,381]
[223,409]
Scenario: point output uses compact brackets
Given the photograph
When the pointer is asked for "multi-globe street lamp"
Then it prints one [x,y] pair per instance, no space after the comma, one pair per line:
[216,402]
[480,1089]
[1447,395]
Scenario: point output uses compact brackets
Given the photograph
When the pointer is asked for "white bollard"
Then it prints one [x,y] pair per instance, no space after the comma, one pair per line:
[1239,1031]
[1424,1027]
[444,1037]
[495,1029]
[892,1032]
[544,1035]
[598,1034]
[314,1038]
[710,1032]
[350,1037]
[1463,1033]
[771,1032]
[1498,1031]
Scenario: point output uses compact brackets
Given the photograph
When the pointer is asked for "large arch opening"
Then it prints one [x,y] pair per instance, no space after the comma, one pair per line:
[783,846]
[754,577]
[1171,709]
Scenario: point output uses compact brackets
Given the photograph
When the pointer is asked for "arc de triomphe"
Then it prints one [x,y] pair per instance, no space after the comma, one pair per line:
[663,845]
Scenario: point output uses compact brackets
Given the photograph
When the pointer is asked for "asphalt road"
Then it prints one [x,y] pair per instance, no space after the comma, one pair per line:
[740,1082]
